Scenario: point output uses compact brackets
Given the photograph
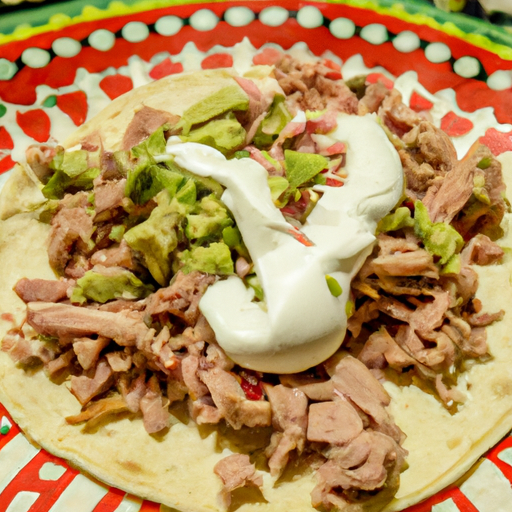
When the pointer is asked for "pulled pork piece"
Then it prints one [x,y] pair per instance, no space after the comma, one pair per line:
[98,410]
[354,381]
[229,397]
[482,251]
[154,408]
[86,388]
[118,256]
[290,420]
[42,290]
[88,350]
[181,298]
[397,116]
[333,422]
[108,195]
[458,186]
[382,350]
[371,461]
[236,471]
[54,366]
[68,226]
[144,122]
[203,411]
[66,322]
[308,87]
[133,391]
[26,352]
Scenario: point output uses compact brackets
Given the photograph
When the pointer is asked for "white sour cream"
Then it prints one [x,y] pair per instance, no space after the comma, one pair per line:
[303,323]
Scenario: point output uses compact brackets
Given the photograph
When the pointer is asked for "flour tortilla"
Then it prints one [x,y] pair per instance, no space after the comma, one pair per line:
[176,468]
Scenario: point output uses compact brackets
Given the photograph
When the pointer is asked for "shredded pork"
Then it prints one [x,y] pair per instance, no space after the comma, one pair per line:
[412,318]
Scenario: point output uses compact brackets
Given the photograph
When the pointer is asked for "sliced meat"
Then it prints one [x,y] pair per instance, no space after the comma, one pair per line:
[382,350]
[182,297]
[155,412]
[86,388]
[108,194]
[60,363]
[397,116]
[290,420]
[133,391]
[203,411]
[456,188]
[371,461]
[334,423]
[189,372]
[26,352]
[118,256]
[230,399]
[236,471]
[354,381]
[119,361]
[62,321]
[415,263]
[42,290]
[88,350]
[68,226]
[145,121]
[98,410]
[482,251]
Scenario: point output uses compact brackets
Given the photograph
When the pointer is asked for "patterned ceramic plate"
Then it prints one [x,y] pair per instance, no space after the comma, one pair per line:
[62,63]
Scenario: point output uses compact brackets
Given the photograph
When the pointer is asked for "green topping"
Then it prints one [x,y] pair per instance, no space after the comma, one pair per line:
[277,185]
[452,266]
[350,308]
[254,282]
[400,218]
[233,239]
[334,286]
[242,154]
[484,163]
[108,284]
[479,190]
[209,219]
[225,135]
[5,429]
[71,170]
[440,239]
[302,167]
[156,237]
[116,233]
[269,129]
[231,97]
[214,259]
[144,183]
[154,145]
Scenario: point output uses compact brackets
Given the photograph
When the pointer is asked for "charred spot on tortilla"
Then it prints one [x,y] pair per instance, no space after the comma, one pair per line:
[216,239]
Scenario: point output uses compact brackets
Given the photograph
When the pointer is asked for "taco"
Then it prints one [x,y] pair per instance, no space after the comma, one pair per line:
[144,263]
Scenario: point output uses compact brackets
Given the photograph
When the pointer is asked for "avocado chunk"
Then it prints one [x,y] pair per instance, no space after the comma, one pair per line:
[71,170]
[439,239]
[207,220]
[225,135]
[214,259]
[270,128]
[102,284]
[231,97]
[302,167]
[157,237]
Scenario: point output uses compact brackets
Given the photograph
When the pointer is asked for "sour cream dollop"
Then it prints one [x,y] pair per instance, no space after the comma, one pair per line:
[303,323]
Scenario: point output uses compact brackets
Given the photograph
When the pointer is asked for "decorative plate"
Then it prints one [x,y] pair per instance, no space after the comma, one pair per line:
[61,63]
